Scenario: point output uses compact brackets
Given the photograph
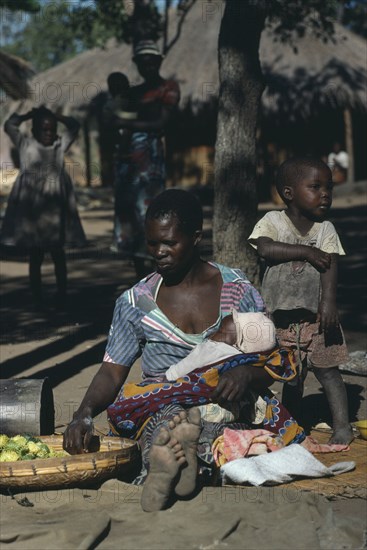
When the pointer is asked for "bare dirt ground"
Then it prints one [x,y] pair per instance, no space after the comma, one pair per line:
[66,345]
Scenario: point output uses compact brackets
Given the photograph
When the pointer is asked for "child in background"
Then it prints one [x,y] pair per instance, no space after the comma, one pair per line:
[42,213]
[301,250]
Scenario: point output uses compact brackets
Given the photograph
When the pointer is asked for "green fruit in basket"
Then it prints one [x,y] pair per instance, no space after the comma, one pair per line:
[30,437]
[26,447]
[58,454]
[9,456]
[43,451]
[33,448]
[28,456]
[12,446]
[3,440]
[20,440]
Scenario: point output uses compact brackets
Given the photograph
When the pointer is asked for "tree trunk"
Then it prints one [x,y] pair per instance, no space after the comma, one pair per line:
[241,86]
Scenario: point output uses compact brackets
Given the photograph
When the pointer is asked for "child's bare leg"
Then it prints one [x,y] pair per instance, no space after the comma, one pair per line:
[333,385]
[59,259]
[165,460]
[185,428]
[36,256]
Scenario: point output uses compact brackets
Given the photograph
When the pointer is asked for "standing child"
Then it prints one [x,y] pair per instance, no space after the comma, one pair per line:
[42,213]
[299,286]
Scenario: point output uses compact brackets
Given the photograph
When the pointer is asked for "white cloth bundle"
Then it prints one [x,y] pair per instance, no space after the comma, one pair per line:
[280,467]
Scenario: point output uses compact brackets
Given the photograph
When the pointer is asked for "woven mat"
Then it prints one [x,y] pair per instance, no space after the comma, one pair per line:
[351,484]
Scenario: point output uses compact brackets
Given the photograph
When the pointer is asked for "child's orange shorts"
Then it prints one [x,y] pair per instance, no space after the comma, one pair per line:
[321,350]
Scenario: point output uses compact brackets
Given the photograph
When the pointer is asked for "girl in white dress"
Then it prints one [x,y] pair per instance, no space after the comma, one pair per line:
[42,213]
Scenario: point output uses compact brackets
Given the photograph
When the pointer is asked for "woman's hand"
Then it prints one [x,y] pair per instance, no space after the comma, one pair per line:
[78,435]
[233,384]
[100,394]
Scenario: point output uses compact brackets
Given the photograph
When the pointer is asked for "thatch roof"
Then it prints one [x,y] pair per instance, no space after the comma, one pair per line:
[14,74]
[331,74]
[320,74]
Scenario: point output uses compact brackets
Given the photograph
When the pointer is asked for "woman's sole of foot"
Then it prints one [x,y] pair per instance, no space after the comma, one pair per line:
[165,460]
[185,428]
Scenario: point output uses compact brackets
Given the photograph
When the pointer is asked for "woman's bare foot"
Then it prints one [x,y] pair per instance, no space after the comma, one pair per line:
[185,428]
[342,436]
[165,459]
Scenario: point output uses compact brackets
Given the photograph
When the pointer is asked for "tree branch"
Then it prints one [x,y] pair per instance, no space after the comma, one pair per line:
[185,7]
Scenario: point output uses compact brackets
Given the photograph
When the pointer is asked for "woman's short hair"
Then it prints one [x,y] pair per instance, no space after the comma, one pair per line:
[183,205]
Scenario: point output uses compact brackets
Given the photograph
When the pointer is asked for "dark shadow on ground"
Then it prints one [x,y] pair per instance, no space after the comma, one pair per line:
[315,408]
[69,368]
[97,278]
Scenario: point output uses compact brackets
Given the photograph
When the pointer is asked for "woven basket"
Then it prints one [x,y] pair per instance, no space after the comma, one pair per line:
[114,456]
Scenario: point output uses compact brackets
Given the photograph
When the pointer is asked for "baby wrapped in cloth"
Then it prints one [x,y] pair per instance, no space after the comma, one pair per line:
[191,381]
[254,332]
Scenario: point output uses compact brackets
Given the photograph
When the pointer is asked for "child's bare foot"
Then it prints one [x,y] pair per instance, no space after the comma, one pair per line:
[186,429]
[342,436]
[165,459]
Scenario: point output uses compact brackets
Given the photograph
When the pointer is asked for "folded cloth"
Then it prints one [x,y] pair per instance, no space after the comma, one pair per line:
[234,444]
[314,446]
[280,467]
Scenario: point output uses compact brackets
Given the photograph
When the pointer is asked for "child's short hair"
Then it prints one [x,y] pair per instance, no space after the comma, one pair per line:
[184,205]
[292,170]
[117,83]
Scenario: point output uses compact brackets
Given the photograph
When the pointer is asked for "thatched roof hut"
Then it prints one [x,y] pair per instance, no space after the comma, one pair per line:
[331,75]
[14,75]
[319,74]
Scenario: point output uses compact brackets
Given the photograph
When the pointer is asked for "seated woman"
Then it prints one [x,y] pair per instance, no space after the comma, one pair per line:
[161,319]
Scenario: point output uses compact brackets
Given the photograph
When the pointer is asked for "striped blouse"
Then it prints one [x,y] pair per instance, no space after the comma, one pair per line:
[140,328]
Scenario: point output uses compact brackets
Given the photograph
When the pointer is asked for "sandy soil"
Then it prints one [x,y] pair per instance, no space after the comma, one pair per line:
[67,345]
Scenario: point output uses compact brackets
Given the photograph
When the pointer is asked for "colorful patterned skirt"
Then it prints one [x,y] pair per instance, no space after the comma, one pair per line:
[141,410]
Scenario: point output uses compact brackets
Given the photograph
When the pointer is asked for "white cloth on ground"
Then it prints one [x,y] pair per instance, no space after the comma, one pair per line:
[280,467]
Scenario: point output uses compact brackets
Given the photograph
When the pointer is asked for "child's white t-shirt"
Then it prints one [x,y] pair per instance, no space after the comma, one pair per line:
[295,284]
